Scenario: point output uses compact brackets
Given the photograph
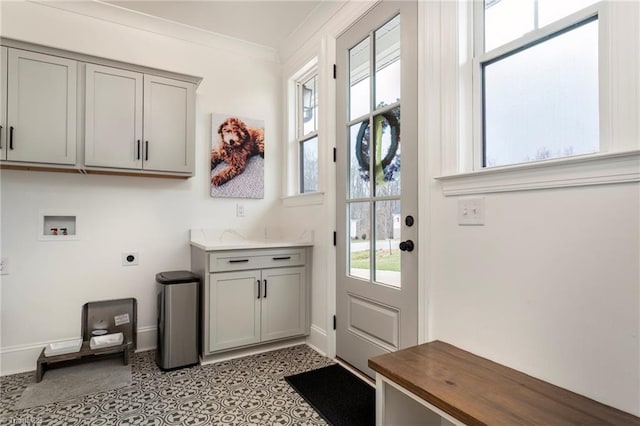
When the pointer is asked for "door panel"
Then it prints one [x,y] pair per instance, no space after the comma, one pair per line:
[41,108]
[234,318]
[283,302]
[3,103]
[376,283]
[168,124]
[113,117]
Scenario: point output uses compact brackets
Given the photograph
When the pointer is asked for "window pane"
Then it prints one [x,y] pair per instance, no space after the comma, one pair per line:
[359,154]
[310,106]
[387,153]
[552,10]
[506,20]
[387,79]
[309,165]
[359,64]
[359,241]
[542,102]
[387,240]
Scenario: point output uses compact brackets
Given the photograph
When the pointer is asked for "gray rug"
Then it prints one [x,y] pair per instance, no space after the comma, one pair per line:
[62,384]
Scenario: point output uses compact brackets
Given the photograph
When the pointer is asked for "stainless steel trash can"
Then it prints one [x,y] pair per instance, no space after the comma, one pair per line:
[178,319]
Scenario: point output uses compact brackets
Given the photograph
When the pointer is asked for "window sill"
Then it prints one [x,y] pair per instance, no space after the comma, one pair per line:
[309,199]
[596,169]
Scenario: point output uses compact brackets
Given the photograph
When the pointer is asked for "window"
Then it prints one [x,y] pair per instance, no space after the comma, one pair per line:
[307,131]
[537,80]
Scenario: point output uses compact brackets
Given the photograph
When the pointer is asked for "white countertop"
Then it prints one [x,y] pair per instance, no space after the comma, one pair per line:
[231,240]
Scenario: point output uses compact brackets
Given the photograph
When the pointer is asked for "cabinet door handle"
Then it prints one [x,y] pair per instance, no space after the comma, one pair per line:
[265,289]
[258,289]
[1,137]
[282,258]
[11,137]
[138,149]
[146,151]
[238,260]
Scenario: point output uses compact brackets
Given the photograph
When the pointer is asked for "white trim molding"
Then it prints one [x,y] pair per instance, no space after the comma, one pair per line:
[596,169]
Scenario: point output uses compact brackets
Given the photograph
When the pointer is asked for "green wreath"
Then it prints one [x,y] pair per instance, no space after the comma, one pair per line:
[363,158]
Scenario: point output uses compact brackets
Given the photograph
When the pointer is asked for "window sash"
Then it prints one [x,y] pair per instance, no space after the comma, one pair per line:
[481,59]
[301,137]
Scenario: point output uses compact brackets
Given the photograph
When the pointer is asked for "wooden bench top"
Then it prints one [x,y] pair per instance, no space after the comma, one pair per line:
[477,391]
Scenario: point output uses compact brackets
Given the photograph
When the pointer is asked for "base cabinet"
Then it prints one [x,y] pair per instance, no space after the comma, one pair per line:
[252,296]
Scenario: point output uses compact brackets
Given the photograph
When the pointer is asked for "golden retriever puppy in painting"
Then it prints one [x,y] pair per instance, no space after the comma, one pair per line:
[237,142]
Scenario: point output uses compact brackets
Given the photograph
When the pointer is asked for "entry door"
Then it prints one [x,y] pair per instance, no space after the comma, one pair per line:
[377,203]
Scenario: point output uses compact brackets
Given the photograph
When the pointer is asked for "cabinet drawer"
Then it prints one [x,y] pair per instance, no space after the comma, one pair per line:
[234,260]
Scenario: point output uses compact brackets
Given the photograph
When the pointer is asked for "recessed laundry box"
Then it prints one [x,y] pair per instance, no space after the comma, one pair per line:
[178,319]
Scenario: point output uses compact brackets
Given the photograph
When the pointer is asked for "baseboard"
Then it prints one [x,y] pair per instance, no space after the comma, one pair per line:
[253,350]
[22,358]
[317,340]
[147,338]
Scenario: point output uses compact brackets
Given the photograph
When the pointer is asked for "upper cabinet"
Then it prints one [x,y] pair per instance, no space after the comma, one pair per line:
[113,118]
[40,108]
[120,135]
[169,124]
[3,103]
[128,119]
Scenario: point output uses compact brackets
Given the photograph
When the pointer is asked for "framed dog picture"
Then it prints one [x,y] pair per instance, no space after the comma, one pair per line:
[237,157]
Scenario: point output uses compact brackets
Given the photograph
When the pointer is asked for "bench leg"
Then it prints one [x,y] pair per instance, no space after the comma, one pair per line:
[125,356]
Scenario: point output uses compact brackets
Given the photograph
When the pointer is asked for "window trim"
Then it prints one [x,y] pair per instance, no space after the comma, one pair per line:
[451,63]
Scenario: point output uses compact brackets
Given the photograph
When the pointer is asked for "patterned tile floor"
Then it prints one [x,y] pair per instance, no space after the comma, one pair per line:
[243,391]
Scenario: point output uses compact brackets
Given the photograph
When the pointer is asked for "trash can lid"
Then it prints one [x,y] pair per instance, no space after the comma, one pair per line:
[176,277]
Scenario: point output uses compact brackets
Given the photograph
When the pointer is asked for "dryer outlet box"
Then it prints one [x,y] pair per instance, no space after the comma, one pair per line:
[129,258]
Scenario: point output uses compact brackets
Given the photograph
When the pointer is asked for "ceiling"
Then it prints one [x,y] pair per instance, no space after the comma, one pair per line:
[263,22]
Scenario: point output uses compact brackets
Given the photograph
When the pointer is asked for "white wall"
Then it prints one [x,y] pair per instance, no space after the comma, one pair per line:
[549,286]
[49,282]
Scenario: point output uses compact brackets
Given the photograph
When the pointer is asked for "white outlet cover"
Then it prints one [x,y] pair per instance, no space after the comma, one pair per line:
[126,261]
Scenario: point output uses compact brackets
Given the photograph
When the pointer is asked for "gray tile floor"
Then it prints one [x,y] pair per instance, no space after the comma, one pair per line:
[243,391]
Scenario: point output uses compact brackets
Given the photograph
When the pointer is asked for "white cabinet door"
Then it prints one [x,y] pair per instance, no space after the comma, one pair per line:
[3,103]
[113,117]
[234,309]
[283,303]
[41,106]
[169,124]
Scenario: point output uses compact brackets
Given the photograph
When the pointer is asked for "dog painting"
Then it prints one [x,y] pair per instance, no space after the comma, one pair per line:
[237,157]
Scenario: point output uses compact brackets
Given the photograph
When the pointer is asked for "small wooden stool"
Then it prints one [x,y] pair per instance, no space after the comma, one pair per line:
[85,353]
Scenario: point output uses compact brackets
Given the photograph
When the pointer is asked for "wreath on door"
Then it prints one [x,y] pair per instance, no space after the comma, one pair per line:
[388,165]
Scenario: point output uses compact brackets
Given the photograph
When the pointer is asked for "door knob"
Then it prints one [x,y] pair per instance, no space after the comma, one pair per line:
[407,245]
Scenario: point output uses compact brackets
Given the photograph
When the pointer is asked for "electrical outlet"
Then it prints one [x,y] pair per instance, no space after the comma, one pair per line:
[129,258]
[239,210]
[471,211]
[4,266]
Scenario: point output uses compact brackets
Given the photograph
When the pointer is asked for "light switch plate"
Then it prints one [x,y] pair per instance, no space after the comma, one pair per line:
[471,211]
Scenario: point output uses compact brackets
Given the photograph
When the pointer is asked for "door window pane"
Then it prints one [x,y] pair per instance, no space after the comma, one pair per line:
[309,165]
[387,153]
[387,77]
[542,102]
[387,239]
[359,240]
[359,83]
[359,154]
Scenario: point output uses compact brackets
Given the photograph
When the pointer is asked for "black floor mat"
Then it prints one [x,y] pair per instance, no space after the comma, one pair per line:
[338,396]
